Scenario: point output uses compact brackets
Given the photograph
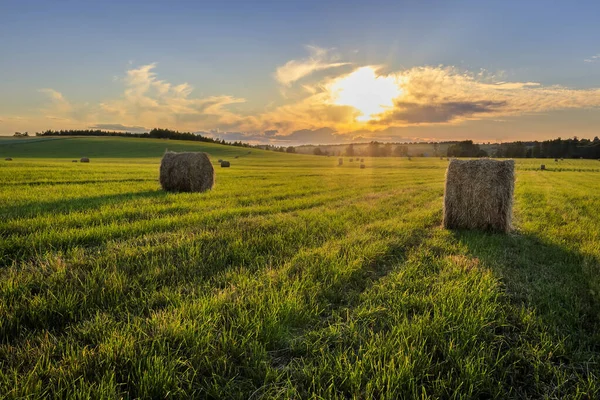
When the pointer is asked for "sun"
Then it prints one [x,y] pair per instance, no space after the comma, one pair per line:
[364,90]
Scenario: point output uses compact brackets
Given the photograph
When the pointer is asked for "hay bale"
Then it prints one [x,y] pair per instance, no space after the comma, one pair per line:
[236,156]
[220,160]
[351,160]
[556,160]
[542,167]
[362,160]
[8,159]
[479,194]
[84,159]
[409,158]
[225,164]
[340,161]
[186,172]
[74,161]
[362,166]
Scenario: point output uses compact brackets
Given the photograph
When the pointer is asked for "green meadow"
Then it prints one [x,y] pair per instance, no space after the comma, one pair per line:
[292,278]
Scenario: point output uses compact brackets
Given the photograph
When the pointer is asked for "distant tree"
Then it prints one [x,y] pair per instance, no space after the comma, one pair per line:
[350,150]
[290,149]
[436,149]
[317,151]
[401,151]
[386,150]
[466,149]
[373,149]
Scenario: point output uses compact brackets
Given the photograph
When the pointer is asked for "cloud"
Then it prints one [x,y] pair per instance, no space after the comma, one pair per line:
[295,70]
[414,113]
[335,109]
[120,127]
[315,136]
[445,95]
[59,103]
[593,59]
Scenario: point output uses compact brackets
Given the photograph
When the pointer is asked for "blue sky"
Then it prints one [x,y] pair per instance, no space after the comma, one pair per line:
[68,64]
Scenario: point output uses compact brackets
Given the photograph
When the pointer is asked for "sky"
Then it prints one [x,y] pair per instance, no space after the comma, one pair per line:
[296,72]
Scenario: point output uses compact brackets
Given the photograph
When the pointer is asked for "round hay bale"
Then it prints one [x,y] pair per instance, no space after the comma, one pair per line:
[556,160]
[225,164]
[84,159]
[236,156]
[409,158]
[542,167]
[351,160]
[74,161]
[479,194]
[186,172]
[340,161]
[362,160]
[362,166]
[220,160]
[8,159]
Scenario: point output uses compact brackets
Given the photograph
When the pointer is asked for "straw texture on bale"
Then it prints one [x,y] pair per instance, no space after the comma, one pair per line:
[84,159]
[479,194]
[186,172]
[225,164]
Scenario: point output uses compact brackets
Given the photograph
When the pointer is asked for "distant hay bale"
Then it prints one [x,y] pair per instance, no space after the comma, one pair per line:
[556,160]
[340,161]
[74,161]
[409,158]
[84,159]
[186,172]
[362,160]
[362,166]
[225,164]
[8,159]
[351,160]
[236,156]
[220,160]
[479,194]
[542,167]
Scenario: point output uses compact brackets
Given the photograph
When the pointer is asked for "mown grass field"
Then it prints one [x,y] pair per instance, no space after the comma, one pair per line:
[292,278]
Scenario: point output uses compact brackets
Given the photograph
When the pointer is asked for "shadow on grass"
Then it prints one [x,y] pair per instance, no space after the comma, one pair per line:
[550,279]
[73,205]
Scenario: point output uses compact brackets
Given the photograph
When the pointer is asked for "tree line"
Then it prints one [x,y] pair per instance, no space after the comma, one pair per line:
[556,148]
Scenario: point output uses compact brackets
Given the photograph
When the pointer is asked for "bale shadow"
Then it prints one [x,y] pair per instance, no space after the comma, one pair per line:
[547,278]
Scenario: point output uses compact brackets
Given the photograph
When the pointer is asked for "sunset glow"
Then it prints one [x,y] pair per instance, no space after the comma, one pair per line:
[364,90]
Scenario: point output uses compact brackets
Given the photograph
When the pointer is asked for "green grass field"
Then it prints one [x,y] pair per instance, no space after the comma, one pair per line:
[292,278]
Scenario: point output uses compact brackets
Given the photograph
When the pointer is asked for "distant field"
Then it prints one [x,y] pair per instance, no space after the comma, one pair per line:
[292,278]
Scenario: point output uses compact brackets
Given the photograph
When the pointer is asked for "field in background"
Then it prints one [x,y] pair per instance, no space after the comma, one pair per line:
[293,278]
